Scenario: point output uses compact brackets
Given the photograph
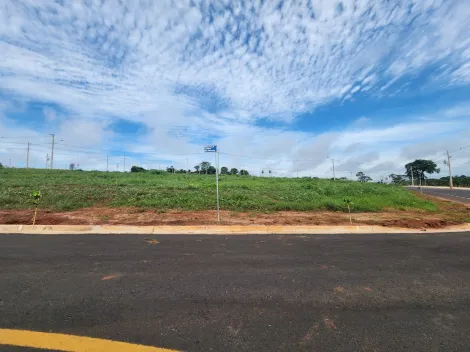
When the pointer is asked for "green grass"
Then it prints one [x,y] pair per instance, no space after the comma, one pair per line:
[68,190]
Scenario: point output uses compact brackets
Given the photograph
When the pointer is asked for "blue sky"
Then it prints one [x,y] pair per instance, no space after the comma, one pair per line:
[281,85]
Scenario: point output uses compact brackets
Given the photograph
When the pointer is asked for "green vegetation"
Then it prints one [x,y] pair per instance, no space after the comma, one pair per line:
[419,168]
[361,177]
[67,190]
[36,199]
[458,181]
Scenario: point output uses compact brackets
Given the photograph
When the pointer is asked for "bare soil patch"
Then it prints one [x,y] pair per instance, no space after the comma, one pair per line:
[137,216]
[450,213]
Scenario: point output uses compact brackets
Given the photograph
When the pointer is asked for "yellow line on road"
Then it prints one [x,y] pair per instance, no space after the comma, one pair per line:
[62,342]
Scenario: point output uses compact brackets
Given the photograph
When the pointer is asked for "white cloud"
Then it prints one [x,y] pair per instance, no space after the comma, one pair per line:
[164,63]
[115,57]
[49,114]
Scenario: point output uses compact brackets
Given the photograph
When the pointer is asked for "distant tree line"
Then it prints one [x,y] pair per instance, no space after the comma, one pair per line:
[204,167]
[419,170]
[458,181]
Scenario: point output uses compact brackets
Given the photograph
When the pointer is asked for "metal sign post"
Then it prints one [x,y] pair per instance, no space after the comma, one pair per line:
[213,149]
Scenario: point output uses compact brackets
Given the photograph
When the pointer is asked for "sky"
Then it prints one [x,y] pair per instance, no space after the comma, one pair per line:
[286,86]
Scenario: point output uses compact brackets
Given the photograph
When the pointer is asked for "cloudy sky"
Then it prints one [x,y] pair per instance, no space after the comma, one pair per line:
[280,85]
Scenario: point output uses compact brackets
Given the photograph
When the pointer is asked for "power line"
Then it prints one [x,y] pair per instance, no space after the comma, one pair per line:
[124,151]
[96,150]
[31,137]
[462,148]
[270,159]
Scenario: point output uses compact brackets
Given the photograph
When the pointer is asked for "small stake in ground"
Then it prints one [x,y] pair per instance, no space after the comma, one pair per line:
[348,204]
[36,196]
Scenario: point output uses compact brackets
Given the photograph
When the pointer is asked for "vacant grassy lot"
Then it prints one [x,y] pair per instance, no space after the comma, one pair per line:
[68,190]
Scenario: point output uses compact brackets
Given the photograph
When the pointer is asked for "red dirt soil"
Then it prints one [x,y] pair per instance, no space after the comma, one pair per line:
[139,216]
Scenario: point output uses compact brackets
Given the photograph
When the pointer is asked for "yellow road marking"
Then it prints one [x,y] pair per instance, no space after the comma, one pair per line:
[62,342]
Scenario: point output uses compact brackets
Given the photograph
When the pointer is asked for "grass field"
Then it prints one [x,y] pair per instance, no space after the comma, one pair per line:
[69,190]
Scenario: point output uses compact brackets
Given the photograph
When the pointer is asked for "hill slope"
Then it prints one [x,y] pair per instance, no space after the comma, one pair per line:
[68,190]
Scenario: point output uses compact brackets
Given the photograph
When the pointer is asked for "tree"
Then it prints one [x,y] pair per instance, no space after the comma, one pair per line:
[204,166]
[420,167]
[1,166]
[137,169]
[244,172]
[211,170]
[262,172]
[71,166]
[234,171]
[361,177]
[197,167]
[397,179]
[170,169]
[224,170]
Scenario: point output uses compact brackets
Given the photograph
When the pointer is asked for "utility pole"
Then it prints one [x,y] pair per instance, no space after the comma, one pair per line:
[107,163]
[217,182]
[451,184]
[124,164]
[47,159]
[412,178]
[27,156]
[334,176]
[52,152]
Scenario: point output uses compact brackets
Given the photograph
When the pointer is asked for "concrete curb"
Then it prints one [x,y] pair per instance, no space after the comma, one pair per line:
[214,230]
[440,187]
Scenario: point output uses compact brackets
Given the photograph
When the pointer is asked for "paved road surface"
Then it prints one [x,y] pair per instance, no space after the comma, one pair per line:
[459,195]
[243,293]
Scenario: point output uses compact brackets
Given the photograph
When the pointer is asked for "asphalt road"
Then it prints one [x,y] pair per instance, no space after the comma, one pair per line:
[243,293]
[459,195]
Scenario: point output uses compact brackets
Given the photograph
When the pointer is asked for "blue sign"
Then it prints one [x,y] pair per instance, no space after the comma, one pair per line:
[210,148]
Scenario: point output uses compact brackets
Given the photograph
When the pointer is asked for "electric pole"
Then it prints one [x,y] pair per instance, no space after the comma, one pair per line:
[52,151]
[27,156]
[107,163]
[124,164]
[334,176]
[47,159]
[451,184]
[412,178]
